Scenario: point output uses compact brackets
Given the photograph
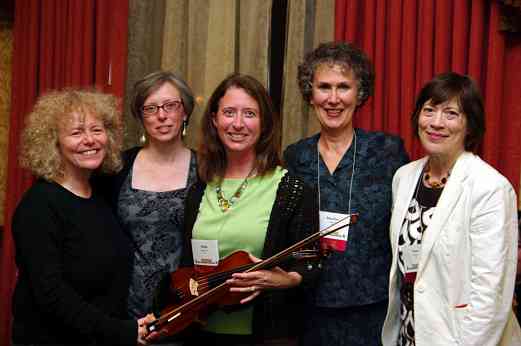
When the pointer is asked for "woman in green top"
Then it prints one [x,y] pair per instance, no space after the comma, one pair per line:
[247,201]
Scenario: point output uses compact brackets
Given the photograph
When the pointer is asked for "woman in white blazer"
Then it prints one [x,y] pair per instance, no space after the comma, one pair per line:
[453,231]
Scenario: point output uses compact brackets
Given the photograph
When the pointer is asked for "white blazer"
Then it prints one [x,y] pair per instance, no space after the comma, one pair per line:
[465,280]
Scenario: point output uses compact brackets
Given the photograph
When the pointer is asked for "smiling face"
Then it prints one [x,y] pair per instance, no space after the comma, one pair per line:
[442,129]
[334,97]
[238,122]
[163,126]
[82,142]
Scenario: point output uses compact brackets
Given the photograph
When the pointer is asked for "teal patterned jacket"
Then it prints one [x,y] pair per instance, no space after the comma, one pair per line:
[360,275]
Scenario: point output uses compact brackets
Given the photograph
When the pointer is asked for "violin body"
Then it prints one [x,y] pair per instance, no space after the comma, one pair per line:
[189,283]
[196,291]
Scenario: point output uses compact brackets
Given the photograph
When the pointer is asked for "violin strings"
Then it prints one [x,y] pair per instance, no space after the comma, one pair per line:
[215,277]
[202,293]
[205,281]
[187,305]
[270,261]
[223,275]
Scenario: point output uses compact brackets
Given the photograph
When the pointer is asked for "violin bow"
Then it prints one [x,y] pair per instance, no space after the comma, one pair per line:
[347,221]
[171,315]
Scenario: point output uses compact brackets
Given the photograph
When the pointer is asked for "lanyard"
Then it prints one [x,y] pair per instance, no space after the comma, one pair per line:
[350,180]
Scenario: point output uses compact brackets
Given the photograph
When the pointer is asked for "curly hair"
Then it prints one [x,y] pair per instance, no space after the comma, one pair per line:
[343,54]
[40,151]
[212,159]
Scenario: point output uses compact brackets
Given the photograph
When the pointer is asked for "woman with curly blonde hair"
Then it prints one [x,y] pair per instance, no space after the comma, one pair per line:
[72,256]
[40,152]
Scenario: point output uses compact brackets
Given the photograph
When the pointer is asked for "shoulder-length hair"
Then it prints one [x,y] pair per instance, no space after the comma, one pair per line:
[212,159]
[451,85]
[40,151]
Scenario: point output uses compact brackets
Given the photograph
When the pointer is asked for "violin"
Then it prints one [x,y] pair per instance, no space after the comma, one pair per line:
[195,290]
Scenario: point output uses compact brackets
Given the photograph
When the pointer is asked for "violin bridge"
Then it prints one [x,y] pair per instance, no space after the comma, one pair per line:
[194,285]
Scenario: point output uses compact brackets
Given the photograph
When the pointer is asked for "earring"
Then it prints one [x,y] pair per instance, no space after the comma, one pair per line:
[185,125]
[142,139]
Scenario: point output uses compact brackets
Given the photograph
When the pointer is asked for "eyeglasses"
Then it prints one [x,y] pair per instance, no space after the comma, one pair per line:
[171,106]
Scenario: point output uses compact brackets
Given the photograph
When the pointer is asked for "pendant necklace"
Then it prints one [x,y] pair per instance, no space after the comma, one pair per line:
[226,204]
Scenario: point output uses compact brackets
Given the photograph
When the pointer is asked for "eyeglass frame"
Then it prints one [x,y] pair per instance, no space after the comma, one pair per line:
[177,107]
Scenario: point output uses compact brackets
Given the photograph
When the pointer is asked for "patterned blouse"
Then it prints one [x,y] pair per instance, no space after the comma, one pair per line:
[417,219]
[360,274]
[154,220]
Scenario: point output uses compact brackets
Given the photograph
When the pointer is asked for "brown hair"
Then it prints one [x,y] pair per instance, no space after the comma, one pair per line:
[40,151]
[143,88]
[212,159]
[447,86]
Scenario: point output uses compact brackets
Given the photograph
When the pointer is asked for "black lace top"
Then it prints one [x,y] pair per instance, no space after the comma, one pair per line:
[154,221]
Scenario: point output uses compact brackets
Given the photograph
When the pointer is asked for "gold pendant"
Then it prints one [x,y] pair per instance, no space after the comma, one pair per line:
[225,205]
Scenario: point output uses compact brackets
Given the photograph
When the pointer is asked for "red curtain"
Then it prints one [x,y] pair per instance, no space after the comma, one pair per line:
[57,43]
[410,41]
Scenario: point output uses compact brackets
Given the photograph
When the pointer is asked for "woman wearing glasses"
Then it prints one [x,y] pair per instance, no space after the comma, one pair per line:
[148,194]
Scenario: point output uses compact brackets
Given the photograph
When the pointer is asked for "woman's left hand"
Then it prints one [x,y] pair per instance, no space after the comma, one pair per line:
[143,336]
[257,281]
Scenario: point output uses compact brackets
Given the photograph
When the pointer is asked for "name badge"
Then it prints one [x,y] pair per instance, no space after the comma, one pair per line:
[338,240]
[411,257]
[205,252]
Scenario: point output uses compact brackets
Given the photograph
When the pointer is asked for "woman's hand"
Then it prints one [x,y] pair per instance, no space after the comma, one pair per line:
[257,281]
[142,335]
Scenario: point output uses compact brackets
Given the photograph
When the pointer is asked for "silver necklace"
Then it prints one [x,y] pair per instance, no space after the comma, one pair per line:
[350,180]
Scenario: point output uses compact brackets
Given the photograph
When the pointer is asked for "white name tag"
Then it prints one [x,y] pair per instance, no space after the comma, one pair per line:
[338,240]
[205,252]
[411,257]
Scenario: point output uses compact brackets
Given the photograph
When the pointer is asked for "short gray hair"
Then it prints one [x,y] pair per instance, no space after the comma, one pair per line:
[344,54]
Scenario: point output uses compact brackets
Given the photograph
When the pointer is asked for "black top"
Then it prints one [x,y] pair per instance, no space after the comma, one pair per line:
[110,185]
[74,264]
[293,217]
[360,274]
[416,222]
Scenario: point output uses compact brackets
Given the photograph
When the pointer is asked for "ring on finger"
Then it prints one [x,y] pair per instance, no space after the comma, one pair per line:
[252,288]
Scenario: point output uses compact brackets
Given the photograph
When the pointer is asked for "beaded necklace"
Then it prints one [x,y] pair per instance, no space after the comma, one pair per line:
[226,204]
[435,184]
